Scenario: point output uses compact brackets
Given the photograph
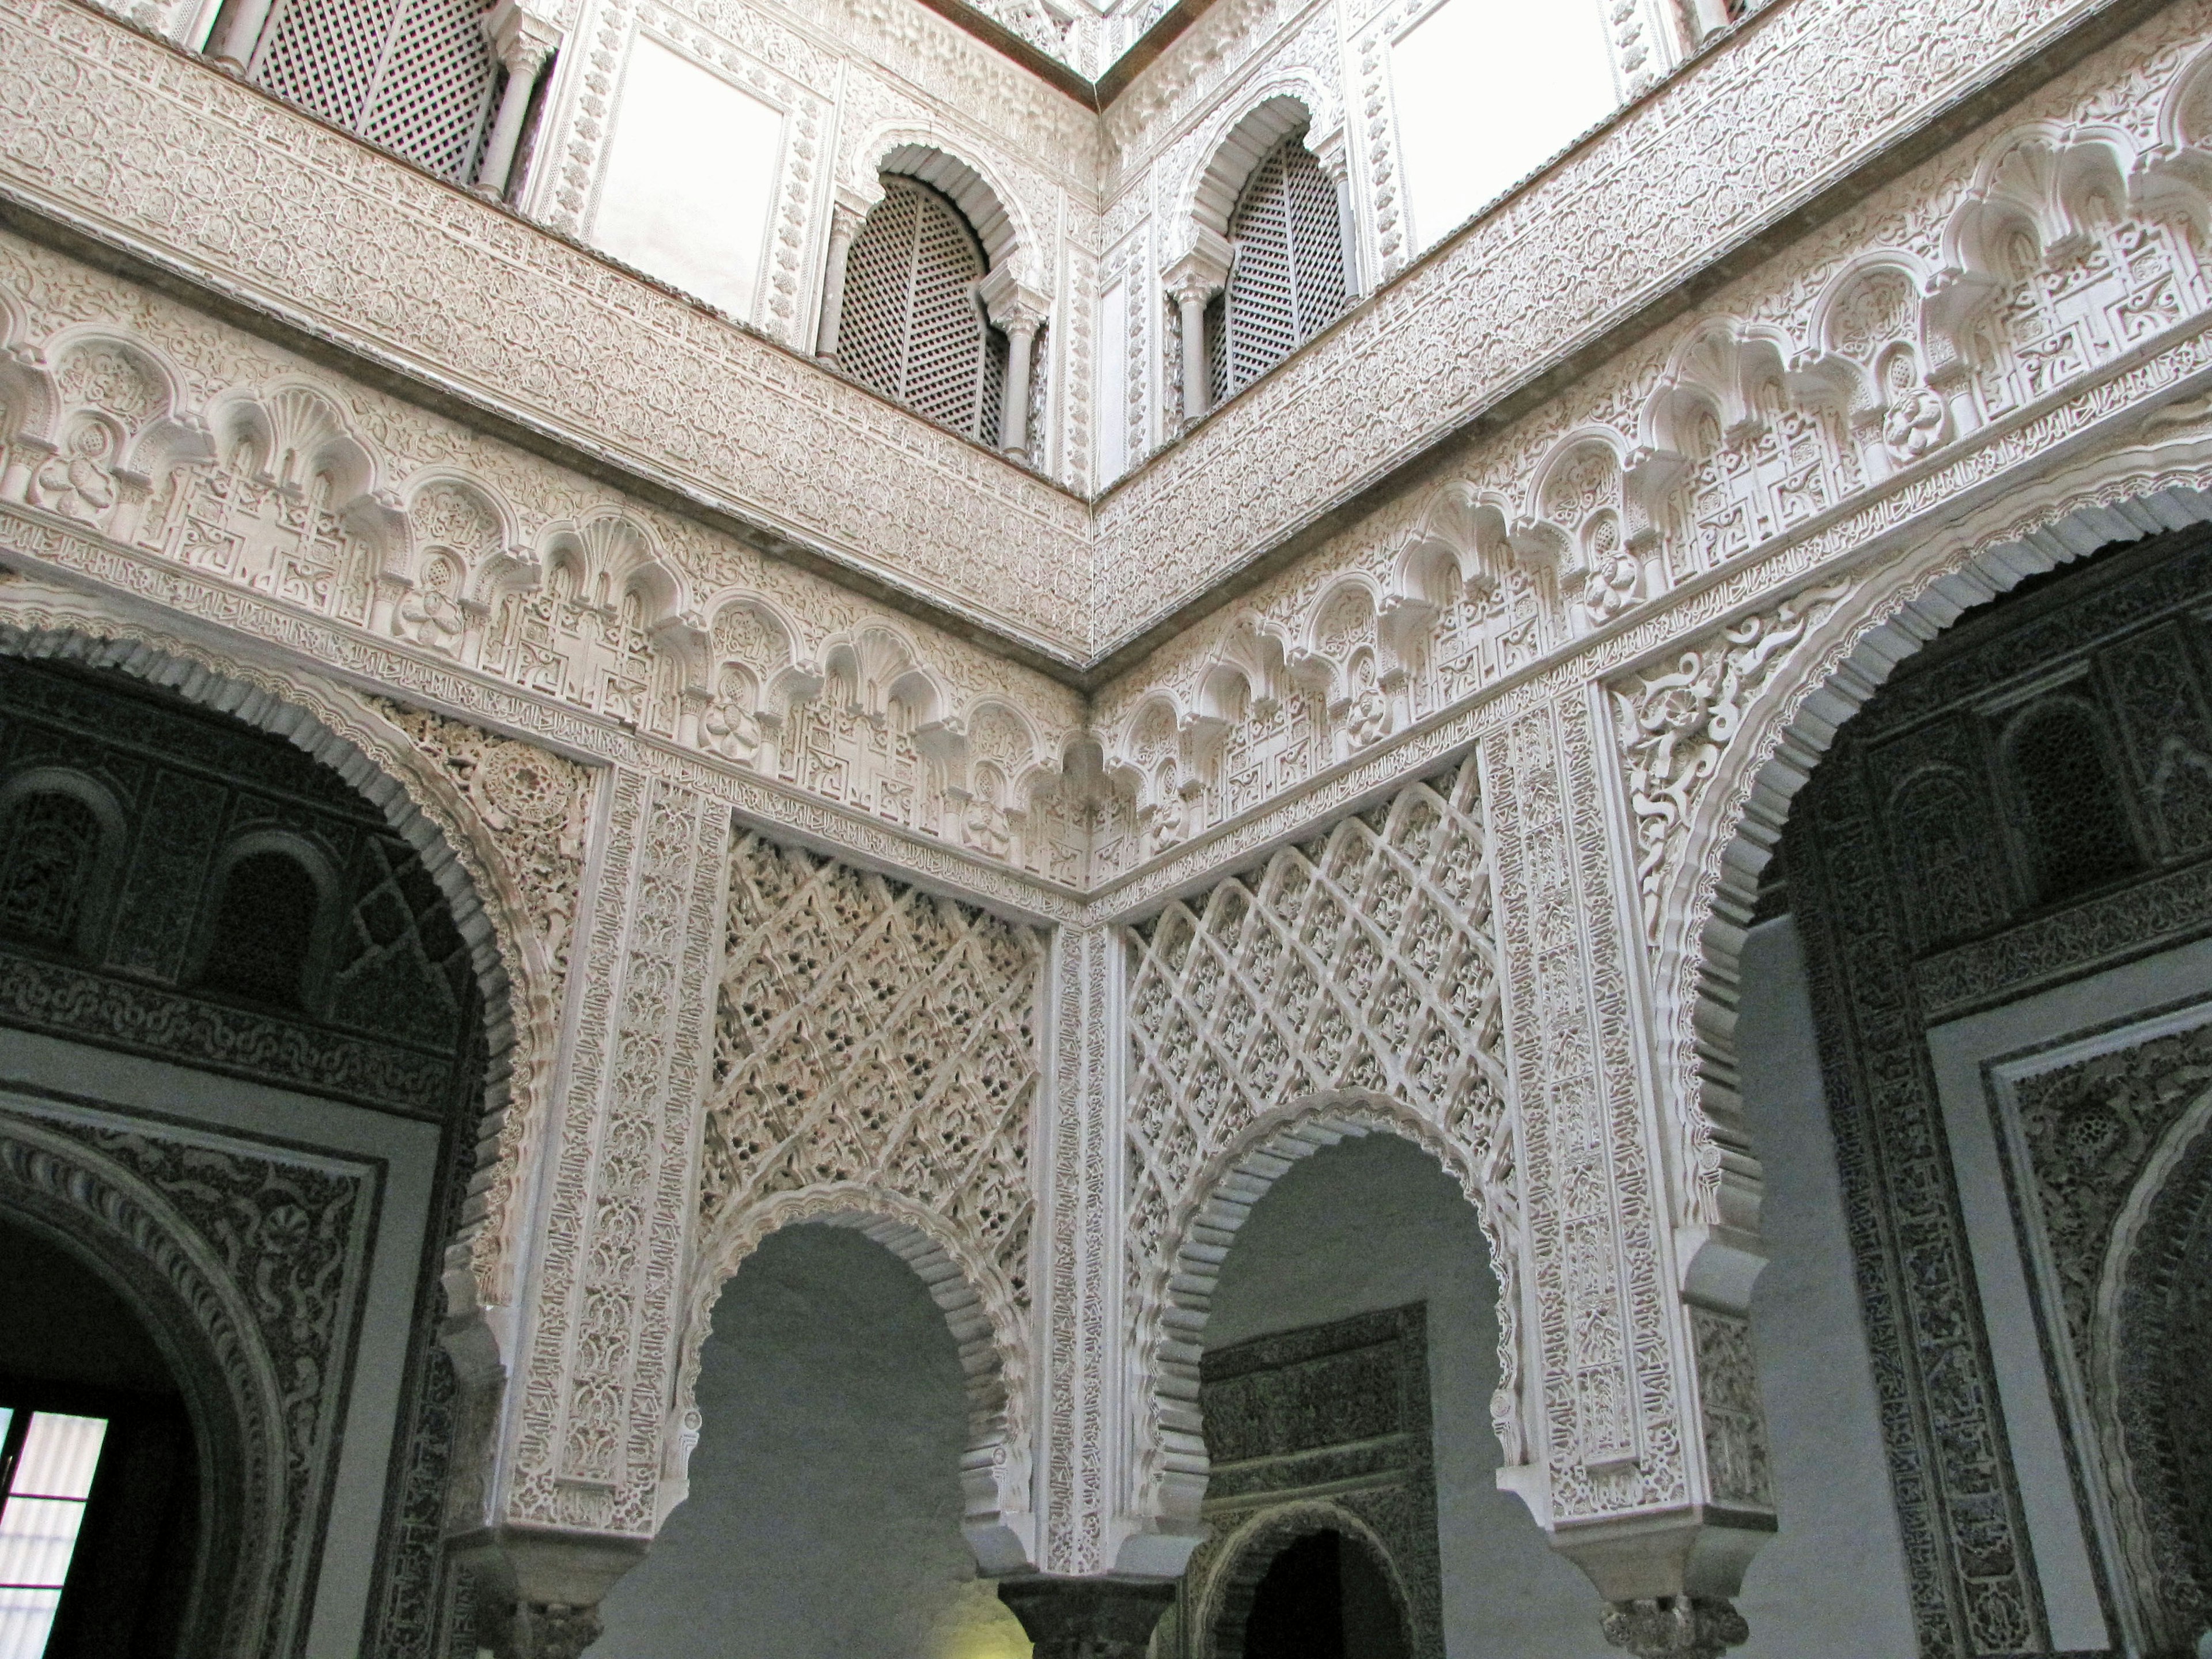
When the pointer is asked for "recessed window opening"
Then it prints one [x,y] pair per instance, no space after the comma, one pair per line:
[414,75]
[911,324]
[2076,824]
[263,930]
[47,1460]
[1323,1598]
[1286,273]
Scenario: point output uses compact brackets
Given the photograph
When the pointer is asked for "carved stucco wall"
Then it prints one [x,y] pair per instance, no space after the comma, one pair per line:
[877,1061]
[1750,489]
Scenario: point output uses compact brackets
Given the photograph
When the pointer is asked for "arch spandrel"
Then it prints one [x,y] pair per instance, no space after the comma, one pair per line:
[1718,735]
[1349,986]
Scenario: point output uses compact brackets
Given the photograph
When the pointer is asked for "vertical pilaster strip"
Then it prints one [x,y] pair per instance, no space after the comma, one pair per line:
[603,1348]
[1082,1303]
[1604,1344]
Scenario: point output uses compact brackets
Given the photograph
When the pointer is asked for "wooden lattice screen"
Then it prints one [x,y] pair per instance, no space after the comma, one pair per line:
[1287,279]
[414,75]
[912,327]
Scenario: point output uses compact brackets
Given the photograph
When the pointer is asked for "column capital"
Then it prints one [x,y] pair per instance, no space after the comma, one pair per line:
[1199,273]
[522,35]
[1012,304]
[1334,152]
[1102,1618]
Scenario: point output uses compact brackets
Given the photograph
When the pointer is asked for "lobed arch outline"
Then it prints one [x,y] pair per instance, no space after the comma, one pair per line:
[979,1308]
[993,211]
[1173,1299]
[1239,137]
[1887,611]
[2180,1162]
[347,732]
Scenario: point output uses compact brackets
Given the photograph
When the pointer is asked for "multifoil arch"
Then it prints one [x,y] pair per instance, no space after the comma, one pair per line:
[1744,712]
[1174,1301]
[979,1308]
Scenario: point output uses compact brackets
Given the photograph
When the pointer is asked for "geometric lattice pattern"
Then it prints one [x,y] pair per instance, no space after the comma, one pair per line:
[414,75]
[910,324]
[1363,960]
[868,1032]
[1287,279]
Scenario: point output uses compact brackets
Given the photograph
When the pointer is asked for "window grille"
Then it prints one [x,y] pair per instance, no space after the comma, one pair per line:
[1286,276]
[49,853]
[911,325]
[414,75]
[2075,822]
[264,926]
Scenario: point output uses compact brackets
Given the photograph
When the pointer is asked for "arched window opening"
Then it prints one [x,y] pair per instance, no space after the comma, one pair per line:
[2074,817]
[50,845]
[911,324]
[263,930]
[1286,272]
[1323,1596]
[414,75]
[98,1497]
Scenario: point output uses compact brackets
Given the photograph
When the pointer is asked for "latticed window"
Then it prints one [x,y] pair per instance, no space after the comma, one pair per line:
[1286,276]
[49,860]
[264,928]
[414,75]
[911,325]
[2075,823]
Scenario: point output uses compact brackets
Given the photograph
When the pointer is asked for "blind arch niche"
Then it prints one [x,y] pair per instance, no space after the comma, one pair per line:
[911,324]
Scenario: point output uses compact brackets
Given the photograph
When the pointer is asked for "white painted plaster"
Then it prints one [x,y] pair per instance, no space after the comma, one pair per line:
[690,174]
[1488,89]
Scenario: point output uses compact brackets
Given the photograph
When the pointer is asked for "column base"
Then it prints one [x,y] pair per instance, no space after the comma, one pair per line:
[1088,1618]
[1676,1626]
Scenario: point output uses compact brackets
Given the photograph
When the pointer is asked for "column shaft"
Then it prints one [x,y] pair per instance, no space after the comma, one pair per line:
[1192,303]
[238,31]
[833,292]
[495,174]
[1014,412]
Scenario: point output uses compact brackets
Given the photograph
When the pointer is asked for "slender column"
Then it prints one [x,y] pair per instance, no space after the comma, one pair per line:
[1193,280]
[524,44]
[1191,300]
[1088,1618]
[1020,310]
[1014,414]
[1337,162]
[237,31]
[845,222]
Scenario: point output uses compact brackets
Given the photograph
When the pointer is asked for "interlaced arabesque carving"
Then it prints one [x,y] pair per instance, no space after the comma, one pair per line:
[867,1032]
[1362,961]
[538,804]
[2105,1187]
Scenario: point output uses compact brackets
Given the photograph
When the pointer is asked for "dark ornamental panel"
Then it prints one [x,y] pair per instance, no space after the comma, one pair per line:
[2026,802]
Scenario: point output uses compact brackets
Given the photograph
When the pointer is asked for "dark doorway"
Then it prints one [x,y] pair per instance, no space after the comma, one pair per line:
[1324,1597]
[99,1497]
